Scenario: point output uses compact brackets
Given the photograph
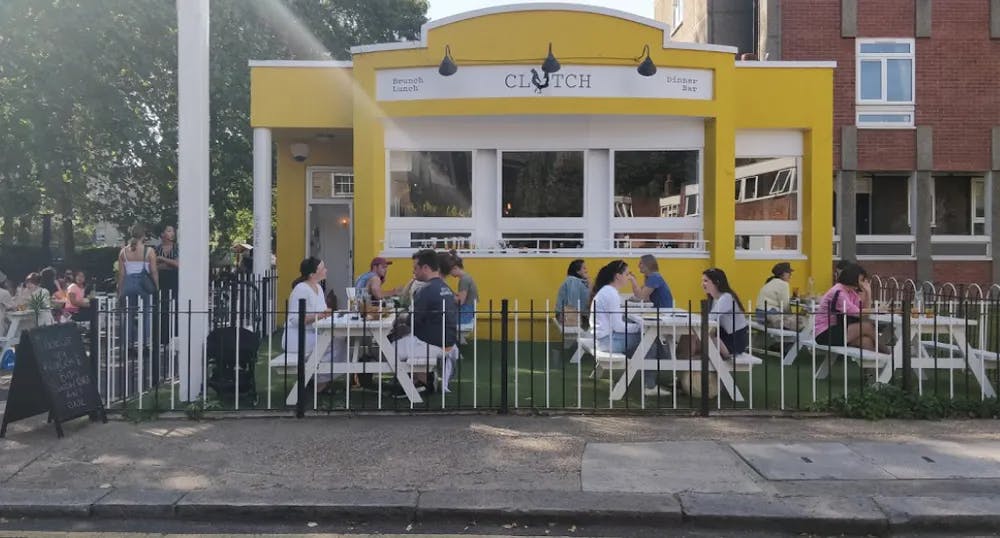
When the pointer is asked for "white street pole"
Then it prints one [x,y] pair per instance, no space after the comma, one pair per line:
[193,132]
[261,201]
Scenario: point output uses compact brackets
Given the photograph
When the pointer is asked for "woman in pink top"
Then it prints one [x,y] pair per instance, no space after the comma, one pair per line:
[76,296]
[838,320]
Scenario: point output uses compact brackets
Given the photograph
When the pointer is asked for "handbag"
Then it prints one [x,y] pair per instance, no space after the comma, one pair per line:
[148,285]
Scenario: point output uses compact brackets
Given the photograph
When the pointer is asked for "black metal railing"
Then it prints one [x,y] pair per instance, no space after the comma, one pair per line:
[517,357]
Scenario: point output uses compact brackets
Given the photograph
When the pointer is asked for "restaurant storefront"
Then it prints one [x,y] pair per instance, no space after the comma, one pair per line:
[471,139]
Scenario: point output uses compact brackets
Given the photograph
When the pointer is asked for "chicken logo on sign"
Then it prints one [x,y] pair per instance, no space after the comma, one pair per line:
[538,82]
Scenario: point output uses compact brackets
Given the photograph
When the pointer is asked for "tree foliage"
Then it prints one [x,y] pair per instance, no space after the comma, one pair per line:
[88,100]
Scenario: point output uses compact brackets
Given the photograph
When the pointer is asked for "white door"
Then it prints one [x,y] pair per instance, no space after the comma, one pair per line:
[330,240]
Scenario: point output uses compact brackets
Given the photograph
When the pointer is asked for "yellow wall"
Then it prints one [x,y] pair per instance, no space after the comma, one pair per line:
[301,97]
[796,98]
[290,246]
[745,98]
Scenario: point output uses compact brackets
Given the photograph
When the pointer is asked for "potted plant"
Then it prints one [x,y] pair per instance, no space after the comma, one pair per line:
[37,303]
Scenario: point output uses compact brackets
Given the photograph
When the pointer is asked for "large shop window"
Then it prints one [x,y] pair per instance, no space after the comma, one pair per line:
[656,199]
[767,205]
[542,184]
[430,183]
[885,83]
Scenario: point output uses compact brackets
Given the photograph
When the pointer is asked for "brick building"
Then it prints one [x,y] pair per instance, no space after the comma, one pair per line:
[916,119]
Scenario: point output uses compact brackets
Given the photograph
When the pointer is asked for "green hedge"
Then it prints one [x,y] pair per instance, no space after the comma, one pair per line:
[889,401]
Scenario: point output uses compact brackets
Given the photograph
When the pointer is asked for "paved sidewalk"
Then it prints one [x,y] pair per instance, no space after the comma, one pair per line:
[801,475]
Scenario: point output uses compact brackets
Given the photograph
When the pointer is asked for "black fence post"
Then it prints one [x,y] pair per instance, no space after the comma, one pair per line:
[300,371]
[233,290]
[504,312]
[907,348]
[705,306]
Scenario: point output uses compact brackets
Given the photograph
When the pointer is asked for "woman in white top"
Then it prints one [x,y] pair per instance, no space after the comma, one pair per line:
[32,291]
[734,335]
[137,280]
[613,332]
[312,272]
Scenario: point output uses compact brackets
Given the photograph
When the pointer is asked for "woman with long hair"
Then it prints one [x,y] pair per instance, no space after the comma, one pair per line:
[574,293]
[613,332]
[47,280]
[838,319]
[727,311]
[76,298]
[312,271]
[138,278]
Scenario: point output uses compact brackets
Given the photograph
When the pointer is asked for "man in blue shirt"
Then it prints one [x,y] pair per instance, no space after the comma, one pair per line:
[435,319]
[372,280]
[655,290]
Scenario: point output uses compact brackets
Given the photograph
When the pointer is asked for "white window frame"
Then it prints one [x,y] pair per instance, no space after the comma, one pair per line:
[336,192]
[333,171]
[882,106]
[692,224]
[490,138]
[787,184]
[981,183]
[396,228]
[772,227]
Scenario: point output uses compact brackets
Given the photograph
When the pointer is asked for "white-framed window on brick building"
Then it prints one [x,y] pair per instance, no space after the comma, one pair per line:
[959,205]
[678,15]
[885,81]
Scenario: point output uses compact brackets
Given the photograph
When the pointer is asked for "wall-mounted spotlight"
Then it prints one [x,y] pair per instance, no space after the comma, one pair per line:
[448,67]
[647,68]
[550,65]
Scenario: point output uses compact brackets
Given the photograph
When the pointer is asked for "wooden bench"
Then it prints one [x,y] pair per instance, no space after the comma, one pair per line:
[774,335]
[603,360]
[570,335]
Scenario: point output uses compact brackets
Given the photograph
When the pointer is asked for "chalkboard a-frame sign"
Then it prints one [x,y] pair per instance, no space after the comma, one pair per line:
[52,374]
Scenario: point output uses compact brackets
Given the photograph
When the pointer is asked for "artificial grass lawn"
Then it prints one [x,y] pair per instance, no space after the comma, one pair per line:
[477,385]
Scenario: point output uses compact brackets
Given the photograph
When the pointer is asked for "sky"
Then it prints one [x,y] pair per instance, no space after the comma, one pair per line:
[445,8]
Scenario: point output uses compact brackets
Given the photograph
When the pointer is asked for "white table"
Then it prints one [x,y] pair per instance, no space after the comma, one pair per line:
[349,326]
[673,323]
[953,329]
[20,321]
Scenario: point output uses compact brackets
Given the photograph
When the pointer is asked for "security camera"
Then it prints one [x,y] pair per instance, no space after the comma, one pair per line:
[300,152]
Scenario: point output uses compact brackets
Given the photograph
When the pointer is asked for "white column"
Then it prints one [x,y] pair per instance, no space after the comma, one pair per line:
[261,200]
[597,191]
[192,187]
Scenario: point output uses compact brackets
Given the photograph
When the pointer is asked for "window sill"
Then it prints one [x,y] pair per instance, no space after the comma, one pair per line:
[886,127]
[786,255]
[565,253]
[881,115]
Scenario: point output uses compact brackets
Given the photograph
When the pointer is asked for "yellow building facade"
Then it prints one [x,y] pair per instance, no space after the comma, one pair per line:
[523,168]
